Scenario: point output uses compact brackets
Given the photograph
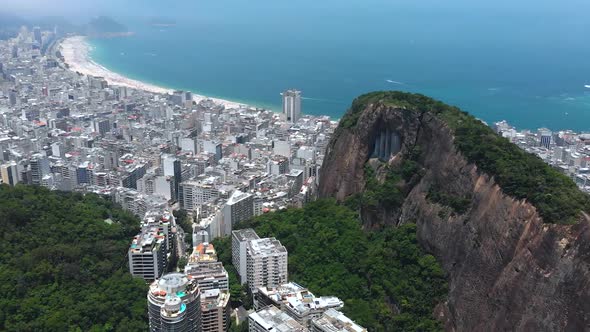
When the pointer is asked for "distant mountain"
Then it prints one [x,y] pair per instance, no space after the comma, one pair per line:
[103,26]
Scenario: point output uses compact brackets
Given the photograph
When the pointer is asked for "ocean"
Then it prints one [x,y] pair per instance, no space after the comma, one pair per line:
[527,63]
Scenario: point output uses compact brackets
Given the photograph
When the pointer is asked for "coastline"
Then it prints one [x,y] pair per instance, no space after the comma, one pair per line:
[76,53]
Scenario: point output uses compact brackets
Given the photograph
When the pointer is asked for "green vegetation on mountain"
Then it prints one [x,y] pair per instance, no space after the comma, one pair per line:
[458,204]
[385,279]
[63,263]
[102,25]
[520,174]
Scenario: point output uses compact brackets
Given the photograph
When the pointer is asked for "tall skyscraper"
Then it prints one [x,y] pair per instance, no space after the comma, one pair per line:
[9,173]
[39,168]
[37,35]
[174,304]
[292,105]
[171,167]
[545,135]
[239,244]
[12,97]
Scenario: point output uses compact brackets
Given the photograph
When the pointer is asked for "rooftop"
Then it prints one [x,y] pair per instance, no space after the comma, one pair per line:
[335,321]
[245,234]
[273,318]
[265,247]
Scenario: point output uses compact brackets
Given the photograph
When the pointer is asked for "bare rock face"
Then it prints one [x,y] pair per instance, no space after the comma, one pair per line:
[507,269]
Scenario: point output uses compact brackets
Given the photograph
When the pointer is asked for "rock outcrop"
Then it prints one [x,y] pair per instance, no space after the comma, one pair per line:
[507,269]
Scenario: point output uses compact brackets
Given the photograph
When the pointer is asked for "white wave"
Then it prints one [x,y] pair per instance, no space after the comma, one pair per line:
[394,82]
[587,86]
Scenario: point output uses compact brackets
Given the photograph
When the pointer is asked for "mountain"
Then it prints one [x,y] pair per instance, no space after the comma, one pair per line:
[511,233]
[103,26]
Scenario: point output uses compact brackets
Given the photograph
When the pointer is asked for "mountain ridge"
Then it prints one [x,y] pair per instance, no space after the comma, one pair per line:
[511,264]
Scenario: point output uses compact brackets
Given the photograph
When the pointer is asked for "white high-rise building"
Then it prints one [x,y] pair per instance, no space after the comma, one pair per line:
[266,264]
[292,105]
[239,244]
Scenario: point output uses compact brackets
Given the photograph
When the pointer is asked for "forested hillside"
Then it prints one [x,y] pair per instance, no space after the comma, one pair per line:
[63,263]
[388,283]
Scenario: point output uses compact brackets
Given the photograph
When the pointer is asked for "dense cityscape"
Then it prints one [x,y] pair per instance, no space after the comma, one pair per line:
[154,154]
[159,154]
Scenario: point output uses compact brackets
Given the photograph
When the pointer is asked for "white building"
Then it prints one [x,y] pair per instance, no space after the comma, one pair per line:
[273,319]
[297,301]
[147,254]
[266,263]
[335,321]
[239,244]
[208,275]
[239,207]
[194,193]
[292,105]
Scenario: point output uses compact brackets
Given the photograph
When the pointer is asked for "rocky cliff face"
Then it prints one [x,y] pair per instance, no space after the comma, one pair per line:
[507,269]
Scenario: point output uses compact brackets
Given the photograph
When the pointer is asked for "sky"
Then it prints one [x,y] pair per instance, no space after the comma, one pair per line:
[123,8]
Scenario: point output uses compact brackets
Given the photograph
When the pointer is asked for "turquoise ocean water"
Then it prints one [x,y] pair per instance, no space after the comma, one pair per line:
[526,63]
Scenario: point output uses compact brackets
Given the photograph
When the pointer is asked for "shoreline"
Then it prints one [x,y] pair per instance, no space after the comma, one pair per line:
[76,53]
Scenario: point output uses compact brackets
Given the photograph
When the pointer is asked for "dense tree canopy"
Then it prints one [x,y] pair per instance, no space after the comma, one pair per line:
[63,263]
[385,279]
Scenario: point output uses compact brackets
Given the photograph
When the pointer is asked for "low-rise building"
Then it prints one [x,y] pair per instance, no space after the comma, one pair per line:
[273,319]
[297,301]
[335,321]
[208,275]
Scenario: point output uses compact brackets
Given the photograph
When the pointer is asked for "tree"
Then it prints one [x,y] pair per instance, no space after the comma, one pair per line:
[62,267]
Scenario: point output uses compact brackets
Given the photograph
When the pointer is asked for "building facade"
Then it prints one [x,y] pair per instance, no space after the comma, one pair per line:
[266,264]
[215,310]
[239,244]
[174,304]
[292,105]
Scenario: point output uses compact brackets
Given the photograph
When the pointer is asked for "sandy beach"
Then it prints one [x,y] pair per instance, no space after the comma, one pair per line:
[76,53]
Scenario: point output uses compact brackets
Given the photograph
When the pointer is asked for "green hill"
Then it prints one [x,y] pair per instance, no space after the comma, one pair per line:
[62,267]
[386,280]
